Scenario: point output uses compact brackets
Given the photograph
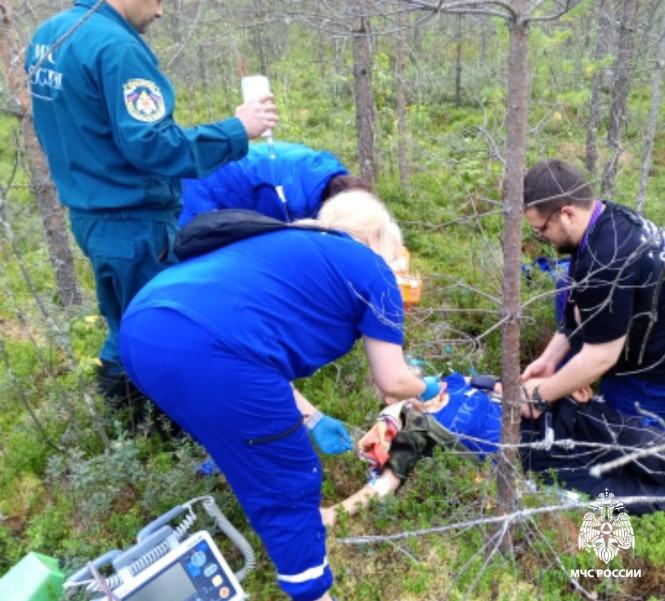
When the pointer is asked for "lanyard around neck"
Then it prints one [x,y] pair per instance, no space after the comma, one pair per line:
[597,210]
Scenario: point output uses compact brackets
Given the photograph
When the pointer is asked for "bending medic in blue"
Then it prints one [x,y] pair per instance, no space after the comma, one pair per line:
[288,185]
[103,113]
[217,340]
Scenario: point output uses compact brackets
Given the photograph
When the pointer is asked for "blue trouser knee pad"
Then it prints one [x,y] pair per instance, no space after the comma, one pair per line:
[622,392]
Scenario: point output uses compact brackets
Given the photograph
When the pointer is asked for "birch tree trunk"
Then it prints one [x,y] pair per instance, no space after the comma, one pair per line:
[656,90]
[50,209]
[600,50]
[516,123]
[400,72]
[620,93]
[458,61]
[338,48]
[364,95]
[482,55]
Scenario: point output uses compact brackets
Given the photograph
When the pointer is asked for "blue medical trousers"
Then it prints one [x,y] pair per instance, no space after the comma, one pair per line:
[622,392]
[124,247]
[245,415]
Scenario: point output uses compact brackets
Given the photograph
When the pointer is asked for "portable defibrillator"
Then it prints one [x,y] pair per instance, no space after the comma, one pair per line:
[168,565]
[194,571]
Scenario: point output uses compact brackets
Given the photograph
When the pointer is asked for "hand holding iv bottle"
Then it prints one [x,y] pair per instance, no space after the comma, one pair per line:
[257,88]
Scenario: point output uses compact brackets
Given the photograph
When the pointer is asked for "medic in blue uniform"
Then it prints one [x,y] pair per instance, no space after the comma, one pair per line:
[217,340]
[103,113]
[287,184]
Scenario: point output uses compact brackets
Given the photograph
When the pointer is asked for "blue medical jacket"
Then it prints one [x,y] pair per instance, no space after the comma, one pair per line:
[472,414]
[291,300]
[103,113]
[251,182]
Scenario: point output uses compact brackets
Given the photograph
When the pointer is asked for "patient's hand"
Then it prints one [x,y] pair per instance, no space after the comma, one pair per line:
[328,516]
[583,395]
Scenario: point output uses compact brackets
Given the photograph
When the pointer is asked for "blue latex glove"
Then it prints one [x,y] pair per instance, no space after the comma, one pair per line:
[331,436]
[432,388]
[208,468]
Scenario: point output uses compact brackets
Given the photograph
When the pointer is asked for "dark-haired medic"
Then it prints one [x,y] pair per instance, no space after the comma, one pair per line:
[614,314]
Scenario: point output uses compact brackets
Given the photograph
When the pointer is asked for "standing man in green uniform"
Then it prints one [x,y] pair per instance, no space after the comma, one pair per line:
[103,113]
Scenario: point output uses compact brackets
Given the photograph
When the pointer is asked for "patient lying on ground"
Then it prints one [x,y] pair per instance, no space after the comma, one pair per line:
[466,417]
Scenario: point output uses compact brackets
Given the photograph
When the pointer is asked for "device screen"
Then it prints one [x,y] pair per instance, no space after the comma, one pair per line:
[171,585]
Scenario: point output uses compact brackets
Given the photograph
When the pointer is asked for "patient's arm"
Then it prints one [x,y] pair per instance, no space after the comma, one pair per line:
[385,484]
[388,482]
[583,395]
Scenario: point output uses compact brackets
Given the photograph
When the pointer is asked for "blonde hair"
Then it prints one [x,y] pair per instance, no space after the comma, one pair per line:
[365,218]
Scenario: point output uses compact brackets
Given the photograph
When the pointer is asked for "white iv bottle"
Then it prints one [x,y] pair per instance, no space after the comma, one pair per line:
[253,88]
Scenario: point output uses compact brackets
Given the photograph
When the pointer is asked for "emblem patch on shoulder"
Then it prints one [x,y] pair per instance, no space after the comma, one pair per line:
[144,100]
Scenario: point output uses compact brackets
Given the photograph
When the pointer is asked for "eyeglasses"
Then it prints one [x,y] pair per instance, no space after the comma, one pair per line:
[539,231]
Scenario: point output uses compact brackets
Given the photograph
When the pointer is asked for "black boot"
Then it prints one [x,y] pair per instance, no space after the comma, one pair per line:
[114,385]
